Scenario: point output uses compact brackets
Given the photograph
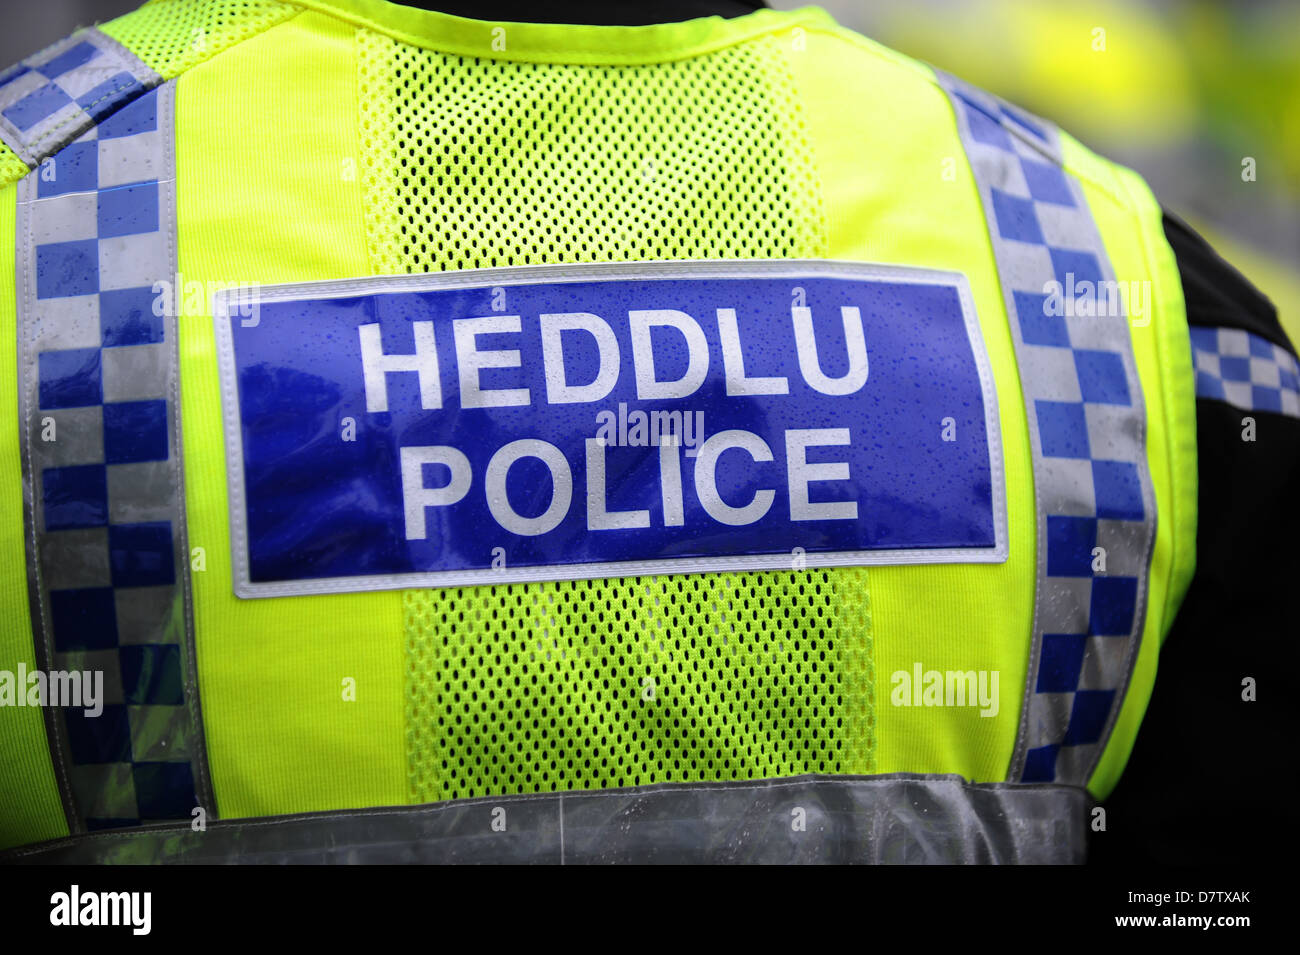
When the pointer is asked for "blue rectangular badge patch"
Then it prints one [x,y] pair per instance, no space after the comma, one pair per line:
[563,422]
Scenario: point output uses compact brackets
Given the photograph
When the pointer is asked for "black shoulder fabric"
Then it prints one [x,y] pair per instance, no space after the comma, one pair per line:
[1217,294]
[1204,783]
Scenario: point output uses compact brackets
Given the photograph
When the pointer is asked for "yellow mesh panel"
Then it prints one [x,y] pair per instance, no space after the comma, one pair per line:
[591,684]
[173,35]
[473,163]
[11,167]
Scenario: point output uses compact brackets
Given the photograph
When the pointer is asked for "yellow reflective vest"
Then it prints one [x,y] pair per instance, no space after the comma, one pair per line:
[186,160]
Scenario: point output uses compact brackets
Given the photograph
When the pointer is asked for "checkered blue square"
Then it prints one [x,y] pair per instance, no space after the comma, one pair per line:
[1040,764]
[1102,379]
[76,170]
[1061,662]
[1072,268]
[69,59]
[1038,326]
[128,317]
[105,738]
[128,210]
[1234,368]
[64,269]
[1118,487]
[164,790]
[136,117]
[1266,399]
[1046,183]
[1015,218]
[70,378]
[83,619]
[1070,542]
[1088,716]
[1063,429]
[75,497]
[135,431]
[1114,604]
[140,555]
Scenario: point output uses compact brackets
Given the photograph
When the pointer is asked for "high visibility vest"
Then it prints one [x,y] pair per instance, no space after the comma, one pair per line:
[320,310]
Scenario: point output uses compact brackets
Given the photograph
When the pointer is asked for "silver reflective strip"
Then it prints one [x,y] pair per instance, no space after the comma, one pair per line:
[1248,372]
[1095,507]
[52,97]
[108,565]
[878,819]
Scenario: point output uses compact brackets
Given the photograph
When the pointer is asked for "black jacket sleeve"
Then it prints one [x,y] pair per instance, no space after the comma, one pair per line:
[1206,783]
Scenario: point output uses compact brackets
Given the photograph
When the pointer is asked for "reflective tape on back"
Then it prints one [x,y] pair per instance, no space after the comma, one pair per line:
[891,820]
[1087,424]
[105,506]
[563,422]
[1246,371]
[54,96]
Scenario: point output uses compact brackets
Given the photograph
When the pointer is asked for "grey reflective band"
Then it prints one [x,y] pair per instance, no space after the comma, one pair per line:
[108,562]
[1246,371]
[1087,426]
[51,98]
[837,819]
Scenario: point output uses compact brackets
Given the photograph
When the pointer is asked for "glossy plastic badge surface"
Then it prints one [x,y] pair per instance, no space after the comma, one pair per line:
[564,422]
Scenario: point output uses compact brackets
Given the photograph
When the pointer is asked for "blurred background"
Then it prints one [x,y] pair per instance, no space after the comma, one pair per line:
[1183,91]
[1190,93]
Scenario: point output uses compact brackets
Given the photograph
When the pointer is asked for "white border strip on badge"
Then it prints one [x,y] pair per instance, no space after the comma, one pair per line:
[794,269]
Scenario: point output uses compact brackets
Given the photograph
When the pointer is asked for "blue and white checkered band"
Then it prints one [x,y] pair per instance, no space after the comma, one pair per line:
[51,98]
[1095,505]
[1245,371]
[108,561]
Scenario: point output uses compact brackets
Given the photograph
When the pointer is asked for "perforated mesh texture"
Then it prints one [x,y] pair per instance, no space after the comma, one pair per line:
[599,683]
[173,35]
[472,163]
[11,167]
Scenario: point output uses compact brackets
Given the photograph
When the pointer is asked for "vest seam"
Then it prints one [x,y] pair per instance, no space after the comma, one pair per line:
[556,55]
[220,53]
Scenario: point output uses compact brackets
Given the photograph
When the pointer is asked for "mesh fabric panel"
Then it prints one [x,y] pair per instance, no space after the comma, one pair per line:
[173,35]
[11,167]
[473,163]
[597,683]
